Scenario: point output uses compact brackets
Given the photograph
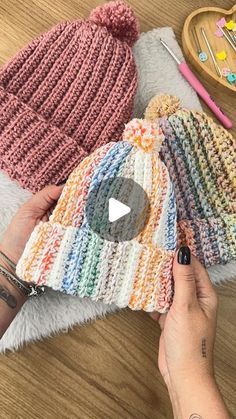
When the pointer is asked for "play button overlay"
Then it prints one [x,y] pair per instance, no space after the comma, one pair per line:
[117,209]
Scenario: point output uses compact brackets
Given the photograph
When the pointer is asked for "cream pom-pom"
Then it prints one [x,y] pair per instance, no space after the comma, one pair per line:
[119,19]
[161,105]
[145,135]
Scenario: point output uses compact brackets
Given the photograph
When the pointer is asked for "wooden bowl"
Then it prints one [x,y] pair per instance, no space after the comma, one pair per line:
[207,18]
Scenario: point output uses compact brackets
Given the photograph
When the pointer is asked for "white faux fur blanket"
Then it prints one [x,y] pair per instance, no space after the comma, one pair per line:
[55,312]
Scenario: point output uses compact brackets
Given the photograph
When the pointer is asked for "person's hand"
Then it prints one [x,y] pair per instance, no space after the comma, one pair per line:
[36,209]
[189,328]
[187,342]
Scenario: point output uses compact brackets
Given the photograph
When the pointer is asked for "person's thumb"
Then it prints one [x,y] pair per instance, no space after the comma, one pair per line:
[184,278]
[47,197]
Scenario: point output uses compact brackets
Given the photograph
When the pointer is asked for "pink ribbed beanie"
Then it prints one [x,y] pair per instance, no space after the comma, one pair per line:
[68,92]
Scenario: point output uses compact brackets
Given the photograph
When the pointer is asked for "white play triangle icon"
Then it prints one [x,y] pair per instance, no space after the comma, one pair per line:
[117,210]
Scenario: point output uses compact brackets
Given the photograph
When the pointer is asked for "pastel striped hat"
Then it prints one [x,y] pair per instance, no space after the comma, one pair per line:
[68,92]
[67,255]
[201,159]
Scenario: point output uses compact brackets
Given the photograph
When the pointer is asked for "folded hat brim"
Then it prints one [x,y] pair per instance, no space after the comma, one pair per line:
[77,261]
[32,151]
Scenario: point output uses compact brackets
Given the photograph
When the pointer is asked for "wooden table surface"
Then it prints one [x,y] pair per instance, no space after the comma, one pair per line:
[107,369]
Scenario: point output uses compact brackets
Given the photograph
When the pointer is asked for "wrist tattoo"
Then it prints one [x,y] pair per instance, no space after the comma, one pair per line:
[204,352]
[195,416]
[6,296]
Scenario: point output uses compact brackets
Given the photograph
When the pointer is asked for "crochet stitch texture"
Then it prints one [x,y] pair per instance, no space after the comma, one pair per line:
[201,158]
[68,256]
[68,92]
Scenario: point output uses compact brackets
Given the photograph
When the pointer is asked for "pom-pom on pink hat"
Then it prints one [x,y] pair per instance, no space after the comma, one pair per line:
[68,92]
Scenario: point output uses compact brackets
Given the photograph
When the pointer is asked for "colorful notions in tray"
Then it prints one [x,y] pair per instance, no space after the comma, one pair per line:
[222,23]
[227,29]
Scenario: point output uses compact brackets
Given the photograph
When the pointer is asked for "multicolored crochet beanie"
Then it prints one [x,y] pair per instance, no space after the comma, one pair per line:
[68,92]
[67,255]
[201,159]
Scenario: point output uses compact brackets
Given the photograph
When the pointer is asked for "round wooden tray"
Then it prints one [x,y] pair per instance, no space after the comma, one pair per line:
[207,18]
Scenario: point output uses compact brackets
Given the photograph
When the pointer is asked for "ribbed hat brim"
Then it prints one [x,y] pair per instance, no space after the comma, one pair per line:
[32,151]
[79,262]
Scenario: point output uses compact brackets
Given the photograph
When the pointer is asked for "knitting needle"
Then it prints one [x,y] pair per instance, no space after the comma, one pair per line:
[231,35]
[194,32]
[234,37]
[201,54]
[218,70]
[199,88]
[228,38]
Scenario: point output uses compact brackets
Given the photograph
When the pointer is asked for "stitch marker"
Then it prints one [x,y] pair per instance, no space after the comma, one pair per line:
[228,38]
[201,54]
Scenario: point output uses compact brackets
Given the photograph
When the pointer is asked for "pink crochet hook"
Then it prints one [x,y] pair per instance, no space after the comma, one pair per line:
[199,88]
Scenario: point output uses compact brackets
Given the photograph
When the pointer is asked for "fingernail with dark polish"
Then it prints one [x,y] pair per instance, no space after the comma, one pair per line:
[184,255]
[62,182]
